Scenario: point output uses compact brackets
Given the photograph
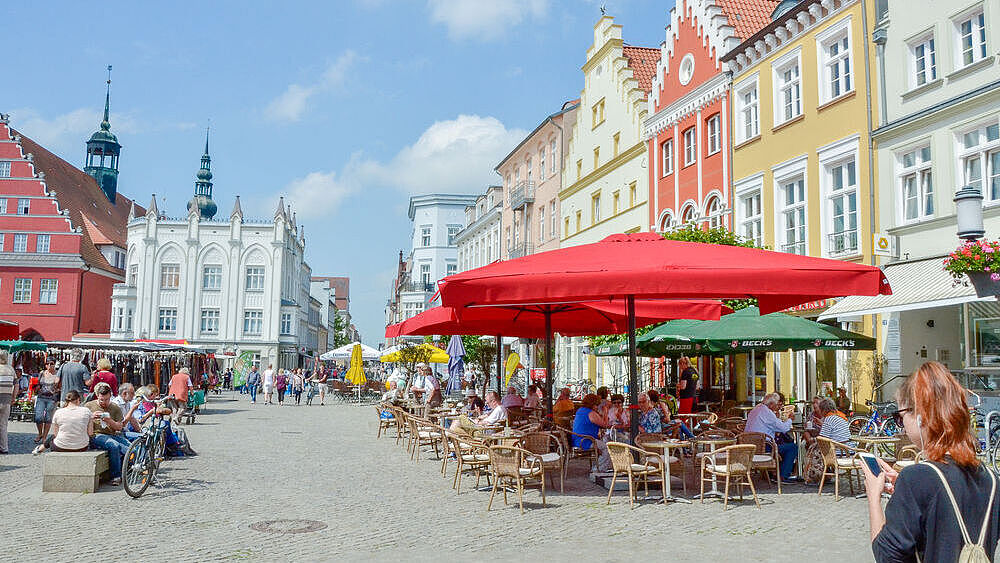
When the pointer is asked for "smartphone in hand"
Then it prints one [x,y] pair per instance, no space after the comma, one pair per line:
[872,462]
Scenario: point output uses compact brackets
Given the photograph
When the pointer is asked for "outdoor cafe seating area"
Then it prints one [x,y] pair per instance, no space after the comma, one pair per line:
[721,461]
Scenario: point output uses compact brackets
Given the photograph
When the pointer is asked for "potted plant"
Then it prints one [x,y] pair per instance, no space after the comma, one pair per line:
[978,262]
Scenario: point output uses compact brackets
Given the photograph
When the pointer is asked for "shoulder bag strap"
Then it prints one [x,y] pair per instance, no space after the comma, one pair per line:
[958,513]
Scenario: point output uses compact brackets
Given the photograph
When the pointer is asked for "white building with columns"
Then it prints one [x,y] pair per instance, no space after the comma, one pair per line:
[235,285]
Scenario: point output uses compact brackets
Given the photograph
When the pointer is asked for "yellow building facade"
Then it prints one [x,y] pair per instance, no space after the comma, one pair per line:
[802,165]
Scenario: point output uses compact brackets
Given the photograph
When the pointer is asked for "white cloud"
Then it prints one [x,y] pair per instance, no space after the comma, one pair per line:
[452,156]
[294,101]
[68,130]
[487,20]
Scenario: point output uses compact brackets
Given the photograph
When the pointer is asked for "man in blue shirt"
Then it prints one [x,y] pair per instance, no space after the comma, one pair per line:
[764,419]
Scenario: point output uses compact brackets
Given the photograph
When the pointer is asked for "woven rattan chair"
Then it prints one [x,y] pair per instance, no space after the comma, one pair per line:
[563,420]
[677,465]
[907,456]
[711,434]
[623,464]
[402,426]
[763,460]
[384,424]
[834,466]
[422,433]
[729,462]
[733,423]
[510,467]
[470,455]
[578,452]
[547,448]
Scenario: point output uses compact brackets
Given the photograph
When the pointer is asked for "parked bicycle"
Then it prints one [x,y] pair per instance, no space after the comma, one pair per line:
[143,457]
[878,422]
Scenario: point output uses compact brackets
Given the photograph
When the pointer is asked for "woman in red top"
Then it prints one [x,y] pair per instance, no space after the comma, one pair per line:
[103,374]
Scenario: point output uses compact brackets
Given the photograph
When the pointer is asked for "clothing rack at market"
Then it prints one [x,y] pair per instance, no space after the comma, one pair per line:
[138,363]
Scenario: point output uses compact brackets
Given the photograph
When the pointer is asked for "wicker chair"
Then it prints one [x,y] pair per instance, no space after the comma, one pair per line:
[384,424]
[763,460]
[834,466]
[907,456]
[547,448]
[738,462]
[711,434]
[402,426]
[422,433]
[733,423]
[510,466]
[470,455]
[624,465]
[576,452]
[563,420]
[677,465]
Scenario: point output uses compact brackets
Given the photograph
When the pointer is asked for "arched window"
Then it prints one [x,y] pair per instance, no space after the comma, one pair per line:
[666,221]
[713,210]
[687,215]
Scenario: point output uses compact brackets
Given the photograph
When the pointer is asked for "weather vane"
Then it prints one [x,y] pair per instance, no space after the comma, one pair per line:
[109,74]
[604,12]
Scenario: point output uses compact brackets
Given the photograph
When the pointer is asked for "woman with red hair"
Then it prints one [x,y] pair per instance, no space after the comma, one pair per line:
[939,506]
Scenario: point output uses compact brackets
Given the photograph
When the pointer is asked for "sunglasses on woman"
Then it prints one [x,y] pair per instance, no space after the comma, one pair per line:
[897,416]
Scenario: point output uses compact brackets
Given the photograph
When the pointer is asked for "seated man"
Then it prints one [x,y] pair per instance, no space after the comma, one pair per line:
[512,399]
[764,419]
[563,404]
[107,427]
[496,415]
[390,396]
[531,397]
[474,405]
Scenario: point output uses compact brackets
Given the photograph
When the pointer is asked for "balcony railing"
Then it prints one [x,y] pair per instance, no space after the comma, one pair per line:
[521,249]
[844,243]
[410,287]
[523,193]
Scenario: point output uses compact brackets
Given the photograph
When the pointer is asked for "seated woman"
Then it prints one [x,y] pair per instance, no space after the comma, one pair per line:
[531,397]
[669,423]
[835,427]
[72,428]
[650,417]
[617,416]
[588,422]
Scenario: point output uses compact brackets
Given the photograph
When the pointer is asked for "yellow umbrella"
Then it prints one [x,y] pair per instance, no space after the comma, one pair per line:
[355,374]
[438,356]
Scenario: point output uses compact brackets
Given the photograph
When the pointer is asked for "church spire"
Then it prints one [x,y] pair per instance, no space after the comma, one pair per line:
[103,150]
[203,186]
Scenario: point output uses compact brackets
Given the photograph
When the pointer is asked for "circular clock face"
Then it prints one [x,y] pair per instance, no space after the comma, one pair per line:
[686,70]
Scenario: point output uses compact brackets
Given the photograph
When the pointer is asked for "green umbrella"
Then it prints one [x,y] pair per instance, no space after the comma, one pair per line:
[746,330]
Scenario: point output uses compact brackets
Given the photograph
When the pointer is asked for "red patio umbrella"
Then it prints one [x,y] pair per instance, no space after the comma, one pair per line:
[647,266]
[569,319]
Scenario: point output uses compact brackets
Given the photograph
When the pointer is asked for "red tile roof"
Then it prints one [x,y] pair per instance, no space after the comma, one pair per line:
[77,191]
[748,16]
[642,61]
[341,287]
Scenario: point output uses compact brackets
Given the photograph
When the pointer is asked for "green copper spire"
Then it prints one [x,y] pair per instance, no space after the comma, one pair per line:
[202,200]
[103,150]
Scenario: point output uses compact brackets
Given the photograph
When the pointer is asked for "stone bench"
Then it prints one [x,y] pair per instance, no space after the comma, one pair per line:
[74,472]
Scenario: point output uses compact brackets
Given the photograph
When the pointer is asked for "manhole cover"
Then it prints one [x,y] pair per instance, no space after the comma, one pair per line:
[288,526]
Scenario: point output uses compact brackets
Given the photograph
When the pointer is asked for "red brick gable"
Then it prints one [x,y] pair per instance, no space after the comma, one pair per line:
[78,192]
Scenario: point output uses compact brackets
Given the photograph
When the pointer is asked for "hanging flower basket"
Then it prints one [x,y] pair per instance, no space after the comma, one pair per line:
[976,262]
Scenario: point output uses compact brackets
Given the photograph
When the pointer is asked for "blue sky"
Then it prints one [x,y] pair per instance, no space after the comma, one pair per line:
[346,108]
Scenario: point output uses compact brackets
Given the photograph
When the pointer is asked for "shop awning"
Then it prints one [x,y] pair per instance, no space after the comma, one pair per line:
[917,284]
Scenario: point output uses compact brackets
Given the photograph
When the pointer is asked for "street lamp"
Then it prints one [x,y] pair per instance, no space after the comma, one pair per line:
[969,213]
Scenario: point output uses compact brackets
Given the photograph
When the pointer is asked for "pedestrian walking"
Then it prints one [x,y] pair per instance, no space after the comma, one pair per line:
[253,380]
[180,386]
[45,399]
[73,376]
[297,382]
[268,380]
[8,390]
[281,383]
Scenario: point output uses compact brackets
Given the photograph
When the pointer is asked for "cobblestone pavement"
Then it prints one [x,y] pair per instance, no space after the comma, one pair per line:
[265,463]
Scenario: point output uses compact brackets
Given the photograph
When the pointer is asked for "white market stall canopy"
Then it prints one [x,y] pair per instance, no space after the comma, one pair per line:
[344,353]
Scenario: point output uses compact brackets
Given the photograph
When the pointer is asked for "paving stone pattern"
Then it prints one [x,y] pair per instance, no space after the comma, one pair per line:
[302,467]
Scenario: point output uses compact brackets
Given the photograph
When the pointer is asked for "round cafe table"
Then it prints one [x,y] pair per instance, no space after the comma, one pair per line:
[665,446]
[882,446]
[713,444]
[693,418]
[744,409]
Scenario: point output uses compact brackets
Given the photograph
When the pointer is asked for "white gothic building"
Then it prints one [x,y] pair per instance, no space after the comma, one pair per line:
[233,285]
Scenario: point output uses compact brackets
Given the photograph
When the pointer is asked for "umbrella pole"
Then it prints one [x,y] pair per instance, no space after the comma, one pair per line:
[633,367]
[499,363]
[549,376]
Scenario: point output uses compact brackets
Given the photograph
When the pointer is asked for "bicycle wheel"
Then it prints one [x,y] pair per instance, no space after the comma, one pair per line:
[137,469]
[859,426]
[889,427]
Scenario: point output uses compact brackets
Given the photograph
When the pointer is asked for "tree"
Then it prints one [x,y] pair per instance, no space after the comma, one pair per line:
[339,330]
[410,355]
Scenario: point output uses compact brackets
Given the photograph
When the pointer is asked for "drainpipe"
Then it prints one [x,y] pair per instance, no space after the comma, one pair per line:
[879,36]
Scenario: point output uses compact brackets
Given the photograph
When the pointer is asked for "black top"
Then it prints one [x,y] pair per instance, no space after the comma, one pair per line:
[920,519]
[689,374]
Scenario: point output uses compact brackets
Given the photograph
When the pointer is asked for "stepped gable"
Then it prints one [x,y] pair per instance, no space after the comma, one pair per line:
[748,16]
[642,61]
[78,192]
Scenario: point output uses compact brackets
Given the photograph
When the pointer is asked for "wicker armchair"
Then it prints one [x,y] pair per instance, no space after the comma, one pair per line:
[546,447]
[563,420]
[677,465]
[763,460]
[907,456]
[510,467]
[834,466]
[624,465]
[384,424]
[711,434]
[733,423]
[422,433]
[737,462]
[577,452]
[402,426]
[470,455]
